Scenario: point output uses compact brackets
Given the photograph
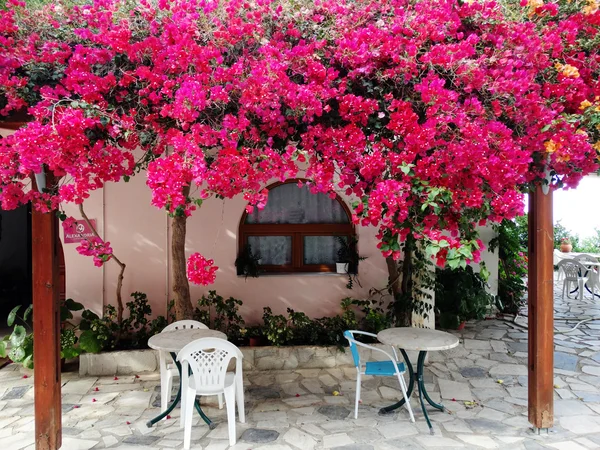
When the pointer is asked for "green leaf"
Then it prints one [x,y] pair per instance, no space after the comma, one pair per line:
[12,315]
[89,315]
[27,312]
[73,305]
[70,352]
[443,243]
[2,349]
[17,354]
[18,336]
[405,169]
[89,342]
[65,314]
[28,362]
[465,252]
[431,250]
[453,263]
[547,127]
[484,272]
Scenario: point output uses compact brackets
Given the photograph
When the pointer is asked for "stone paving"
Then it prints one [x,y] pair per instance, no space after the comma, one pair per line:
[483,384]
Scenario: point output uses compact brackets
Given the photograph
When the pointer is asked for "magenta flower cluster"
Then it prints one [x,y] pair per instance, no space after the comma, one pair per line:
[434,115]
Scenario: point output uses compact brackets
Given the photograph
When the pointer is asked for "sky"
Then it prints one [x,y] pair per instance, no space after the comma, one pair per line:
[579,209]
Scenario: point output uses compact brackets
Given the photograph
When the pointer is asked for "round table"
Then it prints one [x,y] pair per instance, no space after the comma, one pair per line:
[173,342]
[422,340]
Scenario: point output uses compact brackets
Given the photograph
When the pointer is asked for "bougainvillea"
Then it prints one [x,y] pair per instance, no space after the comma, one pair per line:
[201,270]
[96,247]
[433,114]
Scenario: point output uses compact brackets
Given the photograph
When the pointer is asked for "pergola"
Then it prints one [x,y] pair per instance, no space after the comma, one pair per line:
[46,325]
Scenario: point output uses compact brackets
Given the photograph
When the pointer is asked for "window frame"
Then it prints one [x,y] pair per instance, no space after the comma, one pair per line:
[297,233]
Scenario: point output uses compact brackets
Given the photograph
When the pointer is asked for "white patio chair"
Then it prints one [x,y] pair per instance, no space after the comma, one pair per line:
[574,277]
[557,257]
[168,369]
[591,272]
[376,368]
[208,359]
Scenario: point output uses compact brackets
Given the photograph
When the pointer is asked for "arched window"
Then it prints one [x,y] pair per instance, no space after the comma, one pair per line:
[297,231]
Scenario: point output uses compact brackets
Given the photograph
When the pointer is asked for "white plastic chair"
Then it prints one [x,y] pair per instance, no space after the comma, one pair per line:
[557,257]
[208,359]
[376,368]
[168,369]
[573,271]
[591,272]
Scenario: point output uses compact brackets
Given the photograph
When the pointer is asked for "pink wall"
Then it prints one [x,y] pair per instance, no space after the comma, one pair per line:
[139,236]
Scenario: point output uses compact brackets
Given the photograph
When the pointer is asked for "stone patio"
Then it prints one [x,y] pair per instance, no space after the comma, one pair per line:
[483,384]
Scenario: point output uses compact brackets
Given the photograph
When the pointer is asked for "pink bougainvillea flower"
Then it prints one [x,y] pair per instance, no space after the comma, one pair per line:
[201,270]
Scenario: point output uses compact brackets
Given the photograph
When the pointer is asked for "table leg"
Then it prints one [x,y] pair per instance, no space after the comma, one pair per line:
[167,411]
[423,395]
[593,279]
[423,391]
[172,406]
[420,370]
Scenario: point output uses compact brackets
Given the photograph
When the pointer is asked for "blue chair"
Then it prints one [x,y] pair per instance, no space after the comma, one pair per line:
[376,368]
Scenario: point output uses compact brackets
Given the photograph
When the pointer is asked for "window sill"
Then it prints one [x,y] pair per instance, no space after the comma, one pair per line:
[300,274]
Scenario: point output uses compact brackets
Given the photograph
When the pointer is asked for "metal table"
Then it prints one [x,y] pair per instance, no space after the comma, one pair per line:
[173,342]
[422,340]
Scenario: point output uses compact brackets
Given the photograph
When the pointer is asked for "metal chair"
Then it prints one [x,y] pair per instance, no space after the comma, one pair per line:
[207,359]
[168,370]
[376,368]
[574,275]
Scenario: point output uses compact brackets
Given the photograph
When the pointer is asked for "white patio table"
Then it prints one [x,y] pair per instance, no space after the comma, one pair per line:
[422,340]
[173,342]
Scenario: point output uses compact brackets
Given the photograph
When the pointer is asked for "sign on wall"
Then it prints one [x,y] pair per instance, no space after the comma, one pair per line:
[79,231]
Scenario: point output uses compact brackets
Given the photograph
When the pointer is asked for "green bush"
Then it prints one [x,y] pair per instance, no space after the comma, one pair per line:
[220,314]
[461,293]
[512,266]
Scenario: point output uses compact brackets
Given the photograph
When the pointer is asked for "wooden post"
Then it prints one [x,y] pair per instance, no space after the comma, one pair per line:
[541,310]
[46,330]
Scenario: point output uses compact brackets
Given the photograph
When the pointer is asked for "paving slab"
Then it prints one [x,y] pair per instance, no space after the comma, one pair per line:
[455,390]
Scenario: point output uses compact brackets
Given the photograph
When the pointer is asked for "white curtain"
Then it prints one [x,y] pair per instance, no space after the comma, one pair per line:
[320,249]
[290,204]
[274,250]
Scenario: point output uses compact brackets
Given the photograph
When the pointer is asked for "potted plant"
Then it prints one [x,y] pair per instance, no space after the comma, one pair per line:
[254,335]
[346,254]
[565,245]
[348,258]
[248,263]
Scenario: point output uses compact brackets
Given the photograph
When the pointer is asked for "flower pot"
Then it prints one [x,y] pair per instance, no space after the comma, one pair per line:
[566,248]
[461,325]
[341,267]
[254,341]
[450,321]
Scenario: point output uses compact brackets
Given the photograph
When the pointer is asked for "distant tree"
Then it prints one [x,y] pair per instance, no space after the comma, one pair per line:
[589,244]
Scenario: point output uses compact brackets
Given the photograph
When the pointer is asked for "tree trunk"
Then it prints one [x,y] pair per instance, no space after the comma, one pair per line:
[401,283]
[181,285]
